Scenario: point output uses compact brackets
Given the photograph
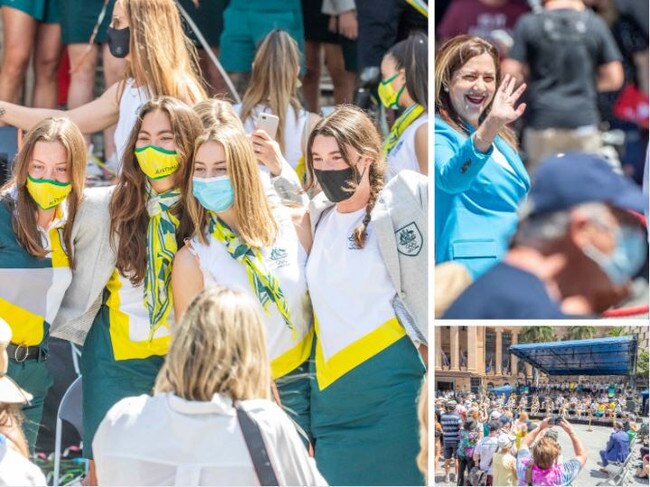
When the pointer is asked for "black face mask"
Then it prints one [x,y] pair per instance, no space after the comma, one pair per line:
[118,41]
[337,184]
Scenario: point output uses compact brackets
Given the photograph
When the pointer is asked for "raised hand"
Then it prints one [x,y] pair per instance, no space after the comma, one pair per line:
[504,107]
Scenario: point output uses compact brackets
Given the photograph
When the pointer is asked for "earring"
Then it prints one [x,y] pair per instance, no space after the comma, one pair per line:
[446,89]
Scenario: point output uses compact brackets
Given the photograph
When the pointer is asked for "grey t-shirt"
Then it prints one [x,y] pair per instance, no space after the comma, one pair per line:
[563,49]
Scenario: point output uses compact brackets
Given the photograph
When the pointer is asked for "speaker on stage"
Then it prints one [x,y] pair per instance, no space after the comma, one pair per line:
[10,140]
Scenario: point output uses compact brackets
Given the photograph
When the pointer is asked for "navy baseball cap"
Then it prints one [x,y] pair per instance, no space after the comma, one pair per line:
[563,181]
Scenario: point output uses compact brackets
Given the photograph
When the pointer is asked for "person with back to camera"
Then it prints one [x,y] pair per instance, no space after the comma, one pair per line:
[275,90]
[193,431]
[479,176]
[541,466]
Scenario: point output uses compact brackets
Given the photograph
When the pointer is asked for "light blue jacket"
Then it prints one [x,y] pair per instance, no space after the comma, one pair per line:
[476,199]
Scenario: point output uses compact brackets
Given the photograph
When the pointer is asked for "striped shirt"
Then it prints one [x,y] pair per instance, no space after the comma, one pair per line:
[451,424]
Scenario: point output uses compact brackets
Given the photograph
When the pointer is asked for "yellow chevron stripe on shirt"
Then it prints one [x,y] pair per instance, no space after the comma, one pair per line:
[343,361]
[59,256]
[123,347]
[293,358]
[27,328]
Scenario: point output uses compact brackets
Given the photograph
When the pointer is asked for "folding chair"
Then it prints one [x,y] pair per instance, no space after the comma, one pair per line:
[70,410]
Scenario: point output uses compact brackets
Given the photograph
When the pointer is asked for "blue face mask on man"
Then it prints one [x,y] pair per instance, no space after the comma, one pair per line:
[215,194]
[627,258]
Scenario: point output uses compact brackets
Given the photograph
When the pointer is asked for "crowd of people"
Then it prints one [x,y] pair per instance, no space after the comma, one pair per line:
[235,272]
[510,440]
[537,216]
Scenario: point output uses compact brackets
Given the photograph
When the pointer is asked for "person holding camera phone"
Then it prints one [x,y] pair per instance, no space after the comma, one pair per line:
[276,91]
[541,467]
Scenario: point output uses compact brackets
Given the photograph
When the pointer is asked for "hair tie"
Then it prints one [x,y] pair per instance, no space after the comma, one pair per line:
[366,219]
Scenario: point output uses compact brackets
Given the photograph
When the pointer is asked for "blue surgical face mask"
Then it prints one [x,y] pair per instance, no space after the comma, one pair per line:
[627,258]
[215,194]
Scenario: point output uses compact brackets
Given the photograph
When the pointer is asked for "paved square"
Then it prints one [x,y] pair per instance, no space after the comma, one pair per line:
[593,441]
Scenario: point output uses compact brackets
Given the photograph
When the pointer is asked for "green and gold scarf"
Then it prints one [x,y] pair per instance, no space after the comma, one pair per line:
[401,124]
[161,248]
[263,283]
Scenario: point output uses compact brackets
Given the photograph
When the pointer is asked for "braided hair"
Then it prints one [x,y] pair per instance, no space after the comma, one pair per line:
[353,130]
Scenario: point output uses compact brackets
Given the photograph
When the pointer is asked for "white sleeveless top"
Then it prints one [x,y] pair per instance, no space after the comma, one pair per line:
[351,294]
[403,155]
[293,130]
[130,103]
[286,259]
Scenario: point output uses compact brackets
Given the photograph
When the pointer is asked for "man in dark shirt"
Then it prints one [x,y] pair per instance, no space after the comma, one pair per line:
[570,55]
[574,252]
[451,424]
[482,18]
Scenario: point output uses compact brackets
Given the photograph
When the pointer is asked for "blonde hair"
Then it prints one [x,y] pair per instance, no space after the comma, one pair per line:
[274,79]
[23,208]
[546,452]
[423,416]
[162,58]
[452,56]
[257,226]
[218,347]
[128,206]
[352,129]
[215,111]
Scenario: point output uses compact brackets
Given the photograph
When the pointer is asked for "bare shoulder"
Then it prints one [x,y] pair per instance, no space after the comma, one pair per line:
[185,260]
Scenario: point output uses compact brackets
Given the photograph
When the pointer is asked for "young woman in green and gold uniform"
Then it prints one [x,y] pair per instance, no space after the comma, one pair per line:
[367,279]
[129,336]
[37,207]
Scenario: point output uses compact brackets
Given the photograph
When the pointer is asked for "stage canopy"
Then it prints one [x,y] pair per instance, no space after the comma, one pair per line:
[596,356]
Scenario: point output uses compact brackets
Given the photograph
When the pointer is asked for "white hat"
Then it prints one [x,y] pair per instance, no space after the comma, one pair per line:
[495,415]
[504,441]
[10,392]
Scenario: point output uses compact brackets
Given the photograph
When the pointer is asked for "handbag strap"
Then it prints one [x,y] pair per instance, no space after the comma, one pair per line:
[256,448]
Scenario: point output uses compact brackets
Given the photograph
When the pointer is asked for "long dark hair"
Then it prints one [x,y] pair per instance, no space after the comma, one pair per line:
[128,208]
[412,54]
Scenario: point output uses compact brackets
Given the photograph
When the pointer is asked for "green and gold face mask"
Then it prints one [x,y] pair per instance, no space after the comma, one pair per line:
[156,162]
[388,95]
[47,193]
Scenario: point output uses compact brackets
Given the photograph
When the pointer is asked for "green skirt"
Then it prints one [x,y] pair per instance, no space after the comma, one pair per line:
[46,11]
[365,424]
[34,377]
[106,381]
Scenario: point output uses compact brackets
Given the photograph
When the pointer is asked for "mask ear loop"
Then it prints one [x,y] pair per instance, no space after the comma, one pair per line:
[362,174]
